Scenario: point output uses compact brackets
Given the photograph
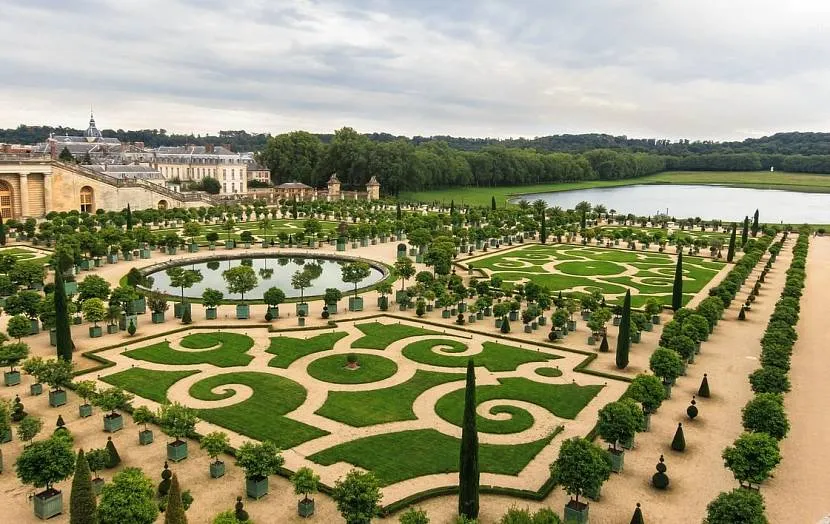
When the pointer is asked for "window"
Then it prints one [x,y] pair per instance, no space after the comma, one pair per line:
[224,188]
[6,208]
[87,200]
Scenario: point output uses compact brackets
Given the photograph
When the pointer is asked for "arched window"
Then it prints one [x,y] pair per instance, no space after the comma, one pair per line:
[162,205]
[87,200]
[6,200]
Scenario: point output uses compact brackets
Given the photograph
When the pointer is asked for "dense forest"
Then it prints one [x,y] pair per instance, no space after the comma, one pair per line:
[402,163]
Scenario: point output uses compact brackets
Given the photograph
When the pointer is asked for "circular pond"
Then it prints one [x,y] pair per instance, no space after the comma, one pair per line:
[270,272]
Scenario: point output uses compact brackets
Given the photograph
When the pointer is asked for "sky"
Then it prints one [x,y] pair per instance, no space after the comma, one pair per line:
[701,69]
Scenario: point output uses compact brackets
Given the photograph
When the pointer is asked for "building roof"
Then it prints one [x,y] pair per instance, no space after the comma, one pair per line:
[373,181]
[92,134]
[128,171]
[334,179]
[293,185]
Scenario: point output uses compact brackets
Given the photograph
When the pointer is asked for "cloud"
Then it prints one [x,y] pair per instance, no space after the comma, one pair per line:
[706,69]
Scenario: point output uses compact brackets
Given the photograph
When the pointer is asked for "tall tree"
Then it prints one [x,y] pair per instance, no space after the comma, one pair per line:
[745,232]
[468,476]
[624,336]
[543,230]
[677,289]
[294,157]
[174,514]
[63,336]
[755,225]
[493,203]
[731,253]
[82,500]
[129,218]
[65,155]
[2,232]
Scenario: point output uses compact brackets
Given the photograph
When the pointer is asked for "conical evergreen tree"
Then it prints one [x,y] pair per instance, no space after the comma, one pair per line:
[398,213]
[505,325]
[703,391]
[624,336]
[543,230]
[174,514]
[678,443]
[115,458]
[493,203]
[129,218]
[582,222]
[468,476]
[637,518]
[66,155]
[677,289]
[603,346]
[2,232]
[755,224]
[745,231]
[186,316]
[730,254]
[452,207]
[742,313]
[63,336]
[82,499]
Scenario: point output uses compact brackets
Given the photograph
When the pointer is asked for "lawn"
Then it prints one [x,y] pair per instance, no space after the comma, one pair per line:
[379,336]
[259,417]
[493,356]
[333,369]
[394,457]
[147,383]
[563,400]
[480,196]
[380,406]
[231,351]
[20,254]
[289,349]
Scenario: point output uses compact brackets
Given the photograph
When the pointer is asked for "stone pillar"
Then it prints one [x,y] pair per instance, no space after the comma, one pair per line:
[24,195]
[47,193]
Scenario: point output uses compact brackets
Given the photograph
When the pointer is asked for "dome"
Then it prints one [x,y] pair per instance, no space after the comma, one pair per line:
[92,134]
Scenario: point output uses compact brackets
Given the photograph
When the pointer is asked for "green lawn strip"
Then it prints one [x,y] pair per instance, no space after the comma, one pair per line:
[638,301]
[380,406]
[259,417]
[590,268]
[394,457]
[563,400]
[231,353]
[557,282]
[379,336]
[147,383]
[549,372]
[333,369]
[289,349]
[493,356]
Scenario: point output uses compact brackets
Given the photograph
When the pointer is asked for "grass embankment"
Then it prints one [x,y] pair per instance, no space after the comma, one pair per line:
[480,196]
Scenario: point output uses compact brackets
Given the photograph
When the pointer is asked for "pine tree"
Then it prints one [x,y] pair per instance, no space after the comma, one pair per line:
[2,232]
[755,225]
[624,336]
[63,336]
[745,232]
[82,499]
[678,443]
[468,477]
[637,518]
[677,289]
[582,222]
[65,155]
[543,232]
[115,458]
[174,514]
[731,253]
[703,391]
[493,203]
[129,218]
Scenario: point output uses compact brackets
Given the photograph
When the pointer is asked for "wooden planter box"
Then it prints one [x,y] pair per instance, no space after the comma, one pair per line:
[97,486]
[301,309]
[47,504]
[243,311]
[145,437]
[576,512]
[85,410]
[95,331]
[514,316]
[112,329]
[158,318]
[305,508]
[355,303]
[36,389]
[57,398]
[210,313]
[617,460]
[332,308]
[217,469]
[140,306]
[572,325]
[256,488]
[177,451]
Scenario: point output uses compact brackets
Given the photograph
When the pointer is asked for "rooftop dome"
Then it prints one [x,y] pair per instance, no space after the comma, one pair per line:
[92,134]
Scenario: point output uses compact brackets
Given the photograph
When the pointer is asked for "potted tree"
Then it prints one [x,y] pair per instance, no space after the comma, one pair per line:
[97,459]
[179,422]
[94,311]
[258,461]
[273,297]
[158,305]
[10,355]
[580,468]
[210,299]
[143,415]
[405,270]
[42,464]
[355,273]
[667,365]
[617,423]
[240,279]
[85,389]
[652,308]
[111,400]
[33,366]
[305,483]
[301,279]
[385,288]
[183,279]
[215,444]
[331,297]
[5,425]
[648,390]
[57,374]
[113,314]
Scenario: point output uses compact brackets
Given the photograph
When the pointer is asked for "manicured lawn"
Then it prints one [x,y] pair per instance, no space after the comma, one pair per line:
[289,349]
[394,457]
[333,369]
[232,350]
[549,372]
[494,356]
[379,336]
[259,417]
[594,268]
[147,383]
[380,406]
[20,254]
[563,400]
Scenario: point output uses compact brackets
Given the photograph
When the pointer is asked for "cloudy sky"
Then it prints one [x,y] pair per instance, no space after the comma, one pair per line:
[699,69]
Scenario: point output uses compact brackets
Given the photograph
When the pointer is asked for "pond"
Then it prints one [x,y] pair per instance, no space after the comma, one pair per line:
[707,202]
[271,272]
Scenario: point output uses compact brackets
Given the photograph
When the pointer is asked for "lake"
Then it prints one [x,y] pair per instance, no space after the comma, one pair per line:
[707,202]
[271,272]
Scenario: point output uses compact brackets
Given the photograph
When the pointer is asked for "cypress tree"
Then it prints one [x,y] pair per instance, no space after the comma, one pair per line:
[745,232]
[730,254]
[129,218]
[294,208]
[174,514]
[637,518]
[677,289]
[398,213]
[624,336]
[543,231]
[452,207]
[582,221]
[63,336]
[678,443]
[468,476]
[755,224]
[493,203]
[82,499]
[2,232]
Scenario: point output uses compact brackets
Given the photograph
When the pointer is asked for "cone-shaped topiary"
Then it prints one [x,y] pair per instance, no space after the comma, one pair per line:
[186,318]
[174,513]
[637,518]
[677,288]
[505,325]
[678,443]
[164,485]
[60,424]
[468,481]
[692,410]
[131,328]
[624,336]
[239,510]
[703,391]
[82,499]
[18,410]
[742,313]
[603,346]
[660,480]
[114,458]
